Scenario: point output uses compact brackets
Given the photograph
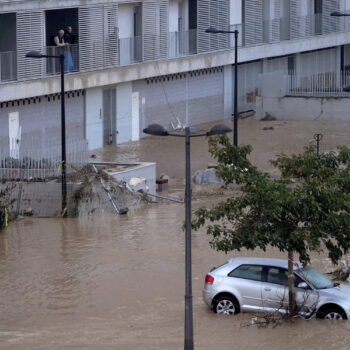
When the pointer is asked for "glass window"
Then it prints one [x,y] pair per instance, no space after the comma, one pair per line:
[250,272]
[316,278]
[277,275]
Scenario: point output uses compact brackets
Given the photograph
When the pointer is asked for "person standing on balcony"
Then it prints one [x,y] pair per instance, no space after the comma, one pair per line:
[69,39]
[63,48]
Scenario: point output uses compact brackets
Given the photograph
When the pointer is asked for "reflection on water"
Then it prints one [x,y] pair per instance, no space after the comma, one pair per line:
[117,282]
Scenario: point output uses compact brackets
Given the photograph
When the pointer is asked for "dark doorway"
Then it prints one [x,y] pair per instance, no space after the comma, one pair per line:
[318,6]
[8,47]
[55,21]
[109,117]
[60,19]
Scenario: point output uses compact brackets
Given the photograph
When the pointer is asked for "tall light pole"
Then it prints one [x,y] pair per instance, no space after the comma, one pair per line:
[158,130]
[35,54]
[235,96]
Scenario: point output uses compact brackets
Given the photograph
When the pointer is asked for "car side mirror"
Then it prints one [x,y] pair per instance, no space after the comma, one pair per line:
[303,285]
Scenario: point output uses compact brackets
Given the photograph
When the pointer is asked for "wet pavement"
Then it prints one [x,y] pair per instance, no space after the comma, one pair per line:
[117,282]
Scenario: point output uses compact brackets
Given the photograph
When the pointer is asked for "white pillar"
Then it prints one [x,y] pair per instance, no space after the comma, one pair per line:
[228,92]
[93,117]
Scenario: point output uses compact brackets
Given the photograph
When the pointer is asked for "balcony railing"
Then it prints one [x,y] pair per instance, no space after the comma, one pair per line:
[130,50]
[8,66]
[71,62]
[326,84]
[127,51]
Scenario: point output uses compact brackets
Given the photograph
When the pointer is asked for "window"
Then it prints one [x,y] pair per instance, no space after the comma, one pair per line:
[277,275]
[250,272]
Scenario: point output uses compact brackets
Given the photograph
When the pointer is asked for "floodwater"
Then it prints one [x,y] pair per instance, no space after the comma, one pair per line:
[117,282]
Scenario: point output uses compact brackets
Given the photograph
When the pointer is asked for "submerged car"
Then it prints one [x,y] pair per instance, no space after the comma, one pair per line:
[260,284]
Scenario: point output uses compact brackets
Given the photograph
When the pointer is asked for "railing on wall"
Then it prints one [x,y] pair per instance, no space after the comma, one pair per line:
[185,43]
[318,85]
[8,66]
[33,157]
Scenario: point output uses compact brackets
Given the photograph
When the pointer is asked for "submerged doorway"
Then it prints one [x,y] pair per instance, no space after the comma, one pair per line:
[109,117]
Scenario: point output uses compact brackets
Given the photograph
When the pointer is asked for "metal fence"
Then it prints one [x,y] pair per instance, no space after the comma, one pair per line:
[318,84]
[33,157]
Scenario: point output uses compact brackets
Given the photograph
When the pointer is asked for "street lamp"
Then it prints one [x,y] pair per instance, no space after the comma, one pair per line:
[35,54]
[158,130]
[235,96]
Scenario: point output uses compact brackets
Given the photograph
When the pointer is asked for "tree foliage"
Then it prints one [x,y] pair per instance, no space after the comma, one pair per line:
[305,209]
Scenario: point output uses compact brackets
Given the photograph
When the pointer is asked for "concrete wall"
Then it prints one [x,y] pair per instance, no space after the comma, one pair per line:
[44,115]
[126,20]
[304,108]
[143,170]
[39,198]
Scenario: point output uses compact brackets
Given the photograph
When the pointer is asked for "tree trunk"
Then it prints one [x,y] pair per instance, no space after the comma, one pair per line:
[291,291]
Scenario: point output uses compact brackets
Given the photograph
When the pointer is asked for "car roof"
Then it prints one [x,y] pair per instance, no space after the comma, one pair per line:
[264,261]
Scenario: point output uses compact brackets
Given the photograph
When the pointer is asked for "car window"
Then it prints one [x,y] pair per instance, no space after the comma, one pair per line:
[277,275]
[250,272]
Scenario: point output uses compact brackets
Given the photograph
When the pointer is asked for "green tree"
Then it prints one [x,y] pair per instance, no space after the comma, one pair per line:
[305,209]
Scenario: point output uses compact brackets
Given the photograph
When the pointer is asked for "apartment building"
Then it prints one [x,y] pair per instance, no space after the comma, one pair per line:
[133,63]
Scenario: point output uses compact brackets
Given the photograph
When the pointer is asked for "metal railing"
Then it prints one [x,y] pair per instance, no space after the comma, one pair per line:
[71,54]
[318,85]
[130,50]
[38,157]
[8,66]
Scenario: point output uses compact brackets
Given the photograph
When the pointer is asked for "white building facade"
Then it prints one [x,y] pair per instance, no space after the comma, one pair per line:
[140,62]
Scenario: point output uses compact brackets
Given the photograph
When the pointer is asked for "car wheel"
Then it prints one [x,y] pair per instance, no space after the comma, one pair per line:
[226,305]
[334,314]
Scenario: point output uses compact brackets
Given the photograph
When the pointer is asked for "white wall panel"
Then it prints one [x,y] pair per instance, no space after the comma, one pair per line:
[93,118]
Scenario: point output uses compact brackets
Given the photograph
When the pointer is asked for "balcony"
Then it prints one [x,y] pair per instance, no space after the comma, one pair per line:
[113,52]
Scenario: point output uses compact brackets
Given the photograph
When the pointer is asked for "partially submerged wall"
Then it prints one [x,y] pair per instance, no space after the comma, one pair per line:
[304,108]
[274,102]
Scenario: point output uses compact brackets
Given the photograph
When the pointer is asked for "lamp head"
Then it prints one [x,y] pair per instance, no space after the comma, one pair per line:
[34,54]
[337,14]
[156,130]
[212,30]
[218,129]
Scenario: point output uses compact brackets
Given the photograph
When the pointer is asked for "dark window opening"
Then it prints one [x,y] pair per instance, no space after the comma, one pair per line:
[61,20]
[8,47]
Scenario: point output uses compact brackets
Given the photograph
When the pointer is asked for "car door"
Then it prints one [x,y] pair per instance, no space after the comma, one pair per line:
[245,282]
[306,298]
[275,289]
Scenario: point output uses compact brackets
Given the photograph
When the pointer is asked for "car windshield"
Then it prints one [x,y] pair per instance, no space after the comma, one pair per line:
[316,278]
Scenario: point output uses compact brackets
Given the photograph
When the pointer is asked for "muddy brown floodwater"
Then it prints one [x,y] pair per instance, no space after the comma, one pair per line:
[117,282]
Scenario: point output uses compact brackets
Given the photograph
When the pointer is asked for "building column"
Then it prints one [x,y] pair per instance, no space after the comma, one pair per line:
[228,92]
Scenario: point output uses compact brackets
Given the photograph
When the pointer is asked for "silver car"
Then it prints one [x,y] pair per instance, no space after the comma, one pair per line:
[258,284]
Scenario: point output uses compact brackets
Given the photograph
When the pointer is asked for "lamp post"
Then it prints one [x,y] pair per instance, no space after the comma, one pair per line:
[235,96]
[35,54]
[158,130]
